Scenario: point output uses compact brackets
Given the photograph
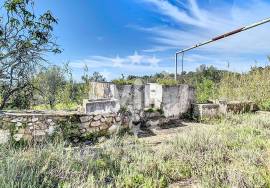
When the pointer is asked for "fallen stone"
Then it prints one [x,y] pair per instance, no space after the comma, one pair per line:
[18,124]
[21,131]
[17,137]
[39,133]
[152,123]
[83,130]
[118,119]
[101,139]
[114,129]
[34,120]
[49,120]
[51,130]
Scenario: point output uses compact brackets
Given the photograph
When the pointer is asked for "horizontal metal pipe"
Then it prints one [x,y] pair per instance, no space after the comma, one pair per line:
[226,35]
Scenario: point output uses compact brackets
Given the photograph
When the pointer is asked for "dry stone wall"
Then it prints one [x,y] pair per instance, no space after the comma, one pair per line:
[37,126]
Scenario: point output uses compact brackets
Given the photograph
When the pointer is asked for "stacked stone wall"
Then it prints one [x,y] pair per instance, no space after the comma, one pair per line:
[39,126]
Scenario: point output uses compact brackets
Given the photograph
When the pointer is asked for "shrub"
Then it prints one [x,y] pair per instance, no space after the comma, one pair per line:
[167,82]
[205,90]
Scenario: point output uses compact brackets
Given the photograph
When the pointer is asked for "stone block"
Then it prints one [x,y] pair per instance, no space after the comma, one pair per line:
[97,117]
[95,124]
[17,137]
[85,119]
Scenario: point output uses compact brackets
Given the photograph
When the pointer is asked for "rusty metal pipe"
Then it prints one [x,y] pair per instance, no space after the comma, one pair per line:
[219,38]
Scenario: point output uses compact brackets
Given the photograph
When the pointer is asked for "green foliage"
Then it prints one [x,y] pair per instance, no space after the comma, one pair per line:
[265,105]
[252,86]
[205,90]
[123,82]
[167,82]
[25,37]
[233,152]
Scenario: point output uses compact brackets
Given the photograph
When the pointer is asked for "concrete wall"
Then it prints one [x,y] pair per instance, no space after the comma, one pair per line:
[177,100]
[173,100]
[131,96]
[101,90]
[155,95]
[201,111]
[101,106]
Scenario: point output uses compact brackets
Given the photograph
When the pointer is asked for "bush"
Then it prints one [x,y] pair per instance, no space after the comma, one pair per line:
[167,82]
[205,90]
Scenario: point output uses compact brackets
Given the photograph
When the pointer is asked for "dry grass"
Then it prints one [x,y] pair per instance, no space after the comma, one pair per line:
[233,153]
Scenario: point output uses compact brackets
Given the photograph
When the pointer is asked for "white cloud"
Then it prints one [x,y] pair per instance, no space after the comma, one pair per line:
[118,62]
[153,61]
[129,65]
[136,58]
[195,24]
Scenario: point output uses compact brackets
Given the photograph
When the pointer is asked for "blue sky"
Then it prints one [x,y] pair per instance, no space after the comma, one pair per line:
[140,37]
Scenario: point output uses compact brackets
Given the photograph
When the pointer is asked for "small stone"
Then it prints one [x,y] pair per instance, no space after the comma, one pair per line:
[118,119]
[82,131]
[151,123]
[85,125]
[34,120]
[14,121]
[97,117]
[30,124]
[95,124]
[18,124]
[50,130]
[85,119]
[39,133]
[113,129]
[21,131]
[17,137]
[109,120]
[102,120]
[101,139]
[49,120]
[103,126]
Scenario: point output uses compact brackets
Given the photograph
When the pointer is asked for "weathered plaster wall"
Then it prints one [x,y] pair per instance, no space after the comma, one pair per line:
[173,100]
[101,106]
[177,100]
[101,90]
[131,96]
[202,111]
[155,95]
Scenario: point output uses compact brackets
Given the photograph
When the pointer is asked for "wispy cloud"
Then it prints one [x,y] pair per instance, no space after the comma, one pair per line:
[103,61]
[134,64]
[195,24]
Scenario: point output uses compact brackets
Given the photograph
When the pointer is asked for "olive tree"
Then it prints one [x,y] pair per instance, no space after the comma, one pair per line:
[24,40]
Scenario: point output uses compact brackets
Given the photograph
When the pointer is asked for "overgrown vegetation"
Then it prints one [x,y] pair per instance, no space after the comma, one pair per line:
[233,153]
